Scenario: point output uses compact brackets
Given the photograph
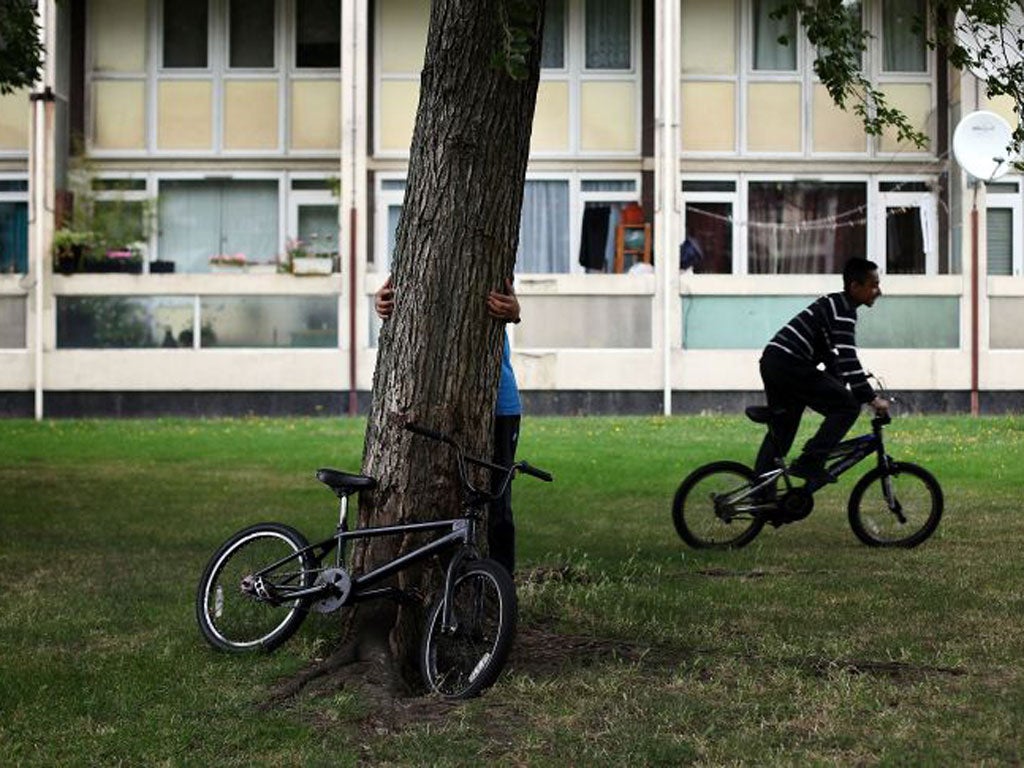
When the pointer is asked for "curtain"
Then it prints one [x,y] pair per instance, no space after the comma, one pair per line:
[199,219]
[544,228]
[769,53]
[608,32]
[999,240]
[805,227]
[552,54]
[903,44]
[14,237]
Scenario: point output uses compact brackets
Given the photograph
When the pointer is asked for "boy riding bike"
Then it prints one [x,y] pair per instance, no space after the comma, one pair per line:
[822,334]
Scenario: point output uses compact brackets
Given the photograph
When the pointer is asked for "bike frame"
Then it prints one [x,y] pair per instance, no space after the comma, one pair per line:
[843,457]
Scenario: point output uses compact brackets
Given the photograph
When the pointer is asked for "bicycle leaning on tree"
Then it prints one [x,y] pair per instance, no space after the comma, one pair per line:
[725,504]
[261,583]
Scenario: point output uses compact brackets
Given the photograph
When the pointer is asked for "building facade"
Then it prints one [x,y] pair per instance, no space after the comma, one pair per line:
[179,165]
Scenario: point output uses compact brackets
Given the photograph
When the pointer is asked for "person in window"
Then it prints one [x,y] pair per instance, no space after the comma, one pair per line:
[823,334]
[503,306]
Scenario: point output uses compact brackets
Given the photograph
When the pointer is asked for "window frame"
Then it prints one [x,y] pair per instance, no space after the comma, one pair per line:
[19,196]
[1013,201]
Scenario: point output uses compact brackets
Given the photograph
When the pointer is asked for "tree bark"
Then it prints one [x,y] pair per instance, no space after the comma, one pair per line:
[439,352]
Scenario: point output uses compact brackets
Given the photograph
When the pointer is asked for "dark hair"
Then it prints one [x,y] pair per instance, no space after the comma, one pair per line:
[856,271]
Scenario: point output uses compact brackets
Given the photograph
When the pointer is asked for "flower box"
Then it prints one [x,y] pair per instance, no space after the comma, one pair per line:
[312,265]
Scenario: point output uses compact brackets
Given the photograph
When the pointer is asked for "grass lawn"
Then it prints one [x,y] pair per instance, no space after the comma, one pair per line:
[803,648]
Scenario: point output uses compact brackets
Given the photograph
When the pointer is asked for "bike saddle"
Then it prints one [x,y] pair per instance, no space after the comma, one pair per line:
[343,483]
[762,414]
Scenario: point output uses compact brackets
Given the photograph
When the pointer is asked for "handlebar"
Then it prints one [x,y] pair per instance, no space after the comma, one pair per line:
[521,466]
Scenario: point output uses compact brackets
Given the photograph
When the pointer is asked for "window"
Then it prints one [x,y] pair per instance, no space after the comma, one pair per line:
[608,34]
[1003,226]
[252,35]
[906,232]
[768,52]
[200,220]
[318,34]
[313,216]
[544,227]
[798,227]
[186,29]
[553,46]
[13,225]
[903,36]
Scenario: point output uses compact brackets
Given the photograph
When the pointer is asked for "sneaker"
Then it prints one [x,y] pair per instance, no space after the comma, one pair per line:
[814,474]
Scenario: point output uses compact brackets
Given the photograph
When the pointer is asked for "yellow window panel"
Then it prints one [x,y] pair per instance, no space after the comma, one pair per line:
[773,117]
[835,130]
[915,100]
[709,117]
[250,114]
[608,117]
[316,115]
[551,118]
[119,114]
[397,114]
[708,37]
[117,35]
[184,114]
[403,34]
[1002,106]
[15,112]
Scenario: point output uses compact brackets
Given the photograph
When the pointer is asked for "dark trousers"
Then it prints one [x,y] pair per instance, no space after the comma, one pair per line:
[794,385]
[501,531]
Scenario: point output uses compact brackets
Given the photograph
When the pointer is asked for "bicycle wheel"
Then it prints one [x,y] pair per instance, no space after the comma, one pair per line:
[242,603]
[898,508]
[463,659]
[713,508]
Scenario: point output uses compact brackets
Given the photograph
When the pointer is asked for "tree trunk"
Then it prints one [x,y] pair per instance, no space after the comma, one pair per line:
[439,352]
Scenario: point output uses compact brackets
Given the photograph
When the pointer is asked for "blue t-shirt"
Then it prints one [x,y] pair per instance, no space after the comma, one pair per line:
[508,392]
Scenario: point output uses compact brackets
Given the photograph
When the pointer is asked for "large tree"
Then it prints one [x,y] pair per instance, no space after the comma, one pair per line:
[21,53]
[438,354]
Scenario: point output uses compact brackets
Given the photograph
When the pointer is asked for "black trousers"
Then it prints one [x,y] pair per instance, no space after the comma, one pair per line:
[501,531]
[794,385]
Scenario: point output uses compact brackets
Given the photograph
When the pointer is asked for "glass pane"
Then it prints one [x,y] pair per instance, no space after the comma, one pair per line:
[805,227]
[252,33]
[124,322]
[903,39]
[709,230]
[318,228]
[12,322]
[769,53]
[203,219]
[13,185]
[318,34]
[904,241]
[394,215]
[269,321]
[186,24]
[544,228]
[553,47]
[607,185]
[999,241]
[608,34]
[14,237]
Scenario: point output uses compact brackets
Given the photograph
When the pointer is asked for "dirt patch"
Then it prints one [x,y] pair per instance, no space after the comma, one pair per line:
[540,651]
[895,669]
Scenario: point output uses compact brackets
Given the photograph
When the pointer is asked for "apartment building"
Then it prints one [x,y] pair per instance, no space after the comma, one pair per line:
[166,186]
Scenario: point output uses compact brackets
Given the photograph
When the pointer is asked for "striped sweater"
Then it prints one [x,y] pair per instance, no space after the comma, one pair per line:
[825,333]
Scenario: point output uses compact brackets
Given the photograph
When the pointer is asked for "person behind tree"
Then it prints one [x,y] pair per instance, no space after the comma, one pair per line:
[823,334]
[501,531]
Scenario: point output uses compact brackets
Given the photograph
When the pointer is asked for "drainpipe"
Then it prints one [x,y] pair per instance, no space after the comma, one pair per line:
[667,163]
[41,183]
[975,404]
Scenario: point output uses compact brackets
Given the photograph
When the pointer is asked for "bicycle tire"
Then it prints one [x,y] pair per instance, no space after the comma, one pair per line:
[919,495]
[237,621]
[697,518]
[460,663]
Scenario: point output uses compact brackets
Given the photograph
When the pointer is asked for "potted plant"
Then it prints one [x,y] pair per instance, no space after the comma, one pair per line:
[303,261]
[228,262]
[70,248]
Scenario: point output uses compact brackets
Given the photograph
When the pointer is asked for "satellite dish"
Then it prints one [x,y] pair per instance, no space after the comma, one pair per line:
[994,48]
[981,145]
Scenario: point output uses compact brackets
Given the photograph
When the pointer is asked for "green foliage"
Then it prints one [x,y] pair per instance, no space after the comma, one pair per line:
[21,53]
[841,44]
[520,25]
[805,648]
